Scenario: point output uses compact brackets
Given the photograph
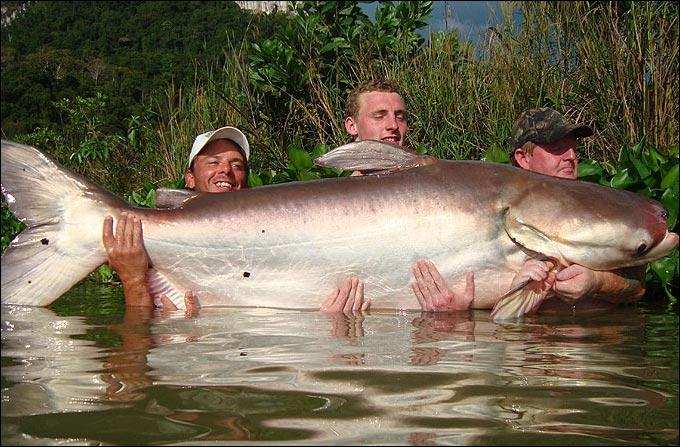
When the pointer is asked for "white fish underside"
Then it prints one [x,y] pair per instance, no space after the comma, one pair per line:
[297,269]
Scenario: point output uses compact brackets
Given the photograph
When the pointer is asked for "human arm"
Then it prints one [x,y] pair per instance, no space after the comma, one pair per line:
[434,294]
[623,285]
[127,256]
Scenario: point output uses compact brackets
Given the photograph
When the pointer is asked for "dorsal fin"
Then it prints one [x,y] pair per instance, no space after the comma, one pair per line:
[372,155]
[173,198]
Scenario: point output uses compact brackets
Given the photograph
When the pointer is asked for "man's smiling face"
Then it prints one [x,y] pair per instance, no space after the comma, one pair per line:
[219,167]
[381,116]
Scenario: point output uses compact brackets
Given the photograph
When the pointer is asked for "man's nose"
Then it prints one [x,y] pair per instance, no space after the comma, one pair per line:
[570,154]
[225,168]
[392,122]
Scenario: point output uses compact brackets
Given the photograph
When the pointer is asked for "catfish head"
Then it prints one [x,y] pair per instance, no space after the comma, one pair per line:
[575,222]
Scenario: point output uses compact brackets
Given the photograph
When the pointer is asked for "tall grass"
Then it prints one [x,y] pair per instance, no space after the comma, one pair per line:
[611,65]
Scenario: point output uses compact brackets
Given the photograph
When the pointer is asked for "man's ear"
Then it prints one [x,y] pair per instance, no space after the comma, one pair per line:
[189,180]
[351,126]
[522,158]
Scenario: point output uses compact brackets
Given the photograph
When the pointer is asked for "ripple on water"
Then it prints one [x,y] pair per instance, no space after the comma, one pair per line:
[304,377]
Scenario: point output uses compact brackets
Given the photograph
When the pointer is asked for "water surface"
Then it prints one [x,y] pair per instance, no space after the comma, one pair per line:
[279,376]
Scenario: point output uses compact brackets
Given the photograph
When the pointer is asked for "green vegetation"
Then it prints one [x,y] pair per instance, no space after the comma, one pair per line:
[118,91]
[644,170]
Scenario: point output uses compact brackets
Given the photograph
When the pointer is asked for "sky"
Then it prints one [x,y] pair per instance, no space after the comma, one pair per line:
[470,18]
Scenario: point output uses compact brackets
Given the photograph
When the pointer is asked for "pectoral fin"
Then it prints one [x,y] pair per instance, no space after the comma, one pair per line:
[372,155]
[531,238]
[521,300]
[525,297]
[159,285]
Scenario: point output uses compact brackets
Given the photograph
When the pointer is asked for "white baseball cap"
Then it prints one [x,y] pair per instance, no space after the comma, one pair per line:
[229,133]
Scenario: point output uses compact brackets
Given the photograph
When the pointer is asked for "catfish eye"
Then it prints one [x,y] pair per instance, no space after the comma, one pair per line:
[641,250]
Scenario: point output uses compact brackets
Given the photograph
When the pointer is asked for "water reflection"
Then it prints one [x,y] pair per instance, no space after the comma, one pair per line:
[277,375]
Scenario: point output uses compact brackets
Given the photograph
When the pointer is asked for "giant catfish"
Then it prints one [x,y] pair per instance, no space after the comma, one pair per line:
[288,245]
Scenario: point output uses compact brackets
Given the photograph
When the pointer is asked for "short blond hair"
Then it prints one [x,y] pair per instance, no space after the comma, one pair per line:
[373,85]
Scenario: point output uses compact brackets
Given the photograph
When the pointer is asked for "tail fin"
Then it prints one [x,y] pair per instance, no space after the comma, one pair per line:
[64,215]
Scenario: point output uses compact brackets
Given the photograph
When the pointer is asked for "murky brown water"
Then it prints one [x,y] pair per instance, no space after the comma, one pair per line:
[280,376]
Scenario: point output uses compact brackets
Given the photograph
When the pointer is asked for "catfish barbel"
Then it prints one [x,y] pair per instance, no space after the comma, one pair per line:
[288,245]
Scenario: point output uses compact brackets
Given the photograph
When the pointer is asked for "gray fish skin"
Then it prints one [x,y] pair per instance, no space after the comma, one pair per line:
[296,242]
[289,245]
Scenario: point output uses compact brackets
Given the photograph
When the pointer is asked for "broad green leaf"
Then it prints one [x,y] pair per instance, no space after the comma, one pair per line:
[319,150]
[151,198]
[669,199]
[640,167]
[622,180]
[636,150]
[308,175]
[589,168]
[671,178]
[337,42]
[254,180]
[496,154]
[299,159]
[651,181]
[655,158]
[664,268]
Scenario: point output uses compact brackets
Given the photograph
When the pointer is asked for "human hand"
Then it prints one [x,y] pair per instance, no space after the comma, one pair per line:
[125,252]
[191,305]
[434,294]
[575,282]
[348,298]
[535,270]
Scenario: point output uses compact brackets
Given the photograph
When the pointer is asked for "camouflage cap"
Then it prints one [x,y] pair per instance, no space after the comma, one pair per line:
[545,125]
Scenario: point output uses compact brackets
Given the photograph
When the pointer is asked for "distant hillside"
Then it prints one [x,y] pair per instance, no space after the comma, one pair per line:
[124,50]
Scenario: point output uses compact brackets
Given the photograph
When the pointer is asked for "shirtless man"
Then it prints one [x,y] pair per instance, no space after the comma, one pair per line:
[376,111]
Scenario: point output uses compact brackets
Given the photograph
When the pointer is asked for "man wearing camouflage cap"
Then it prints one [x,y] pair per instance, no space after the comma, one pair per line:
[545,142]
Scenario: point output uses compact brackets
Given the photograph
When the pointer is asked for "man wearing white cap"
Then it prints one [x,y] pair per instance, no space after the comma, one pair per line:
[218,162]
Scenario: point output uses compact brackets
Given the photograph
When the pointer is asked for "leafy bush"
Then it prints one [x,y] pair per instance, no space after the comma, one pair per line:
[304,72]
[300,167]
[644,170]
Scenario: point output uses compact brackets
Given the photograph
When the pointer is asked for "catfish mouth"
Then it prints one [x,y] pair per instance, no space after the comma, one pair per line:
[668,243]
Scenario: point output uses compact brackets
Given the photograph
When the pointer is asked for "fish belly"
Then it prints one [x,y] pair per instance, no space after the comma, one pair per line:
[296,263]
